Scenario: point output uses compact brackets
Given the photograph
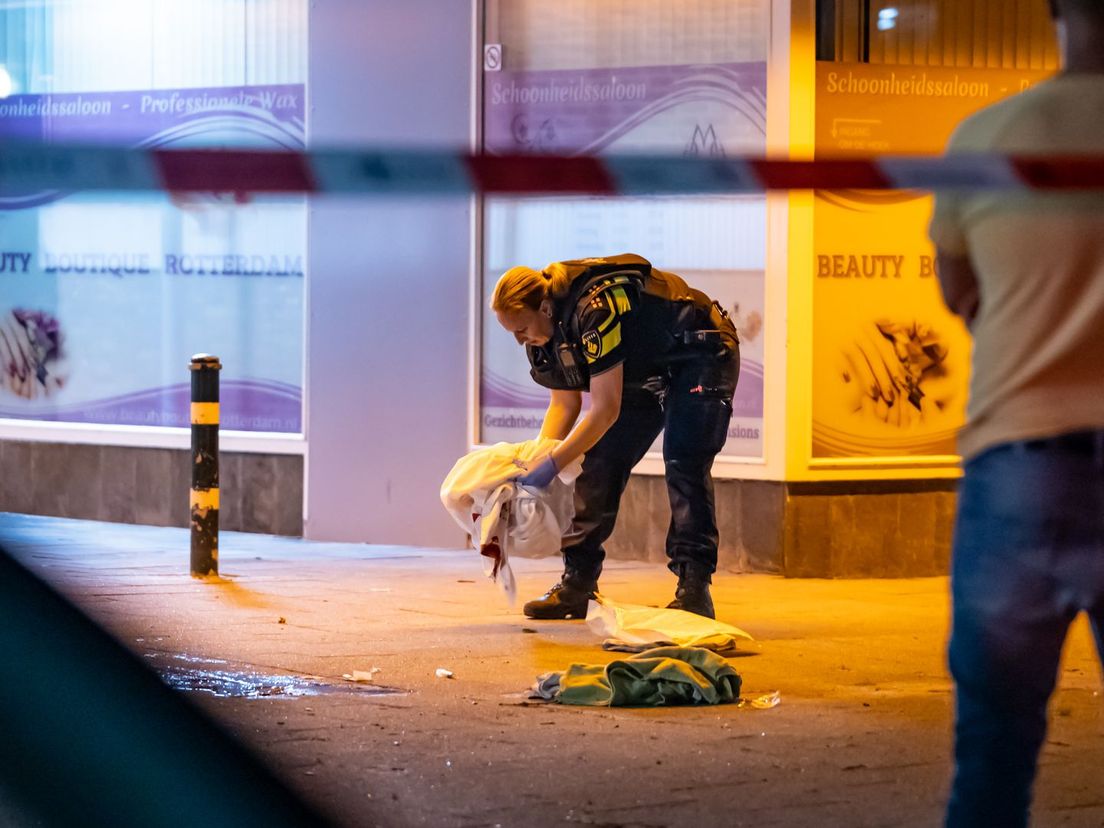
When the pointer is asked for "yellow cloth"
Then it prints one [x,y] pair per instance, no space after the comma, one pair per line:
[1038,361]
[633,629]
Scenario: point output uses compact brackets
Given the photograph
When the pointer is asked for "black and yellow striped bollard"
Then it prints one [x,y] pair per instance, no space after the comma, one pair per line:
[205,464]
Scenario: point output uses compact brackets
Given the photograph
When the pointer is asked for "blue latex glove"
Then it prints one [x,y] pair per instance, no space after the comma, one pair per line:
[542,476]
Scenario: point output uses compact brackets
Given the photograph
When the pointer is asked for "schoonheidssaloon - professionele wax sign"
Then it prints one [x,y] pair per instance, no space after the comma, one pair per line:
[104,297]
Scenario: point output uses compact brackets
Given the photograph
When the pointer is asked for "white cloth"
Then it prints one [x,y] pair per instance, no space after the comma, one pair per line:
[631,628]
[502,517]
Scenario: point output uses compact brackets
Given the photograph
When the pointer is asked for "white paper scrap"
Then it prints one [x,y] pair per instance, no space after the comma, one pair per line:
[362,675]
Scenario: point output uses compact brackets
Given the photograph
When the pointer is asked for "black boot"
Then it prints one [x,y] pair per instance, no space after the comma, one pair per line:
[692,593]
[567,599]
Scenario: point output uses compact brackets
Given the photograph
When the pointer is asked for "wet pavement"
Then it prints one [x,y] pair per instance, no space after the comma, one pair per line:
[861,736]
[220,678]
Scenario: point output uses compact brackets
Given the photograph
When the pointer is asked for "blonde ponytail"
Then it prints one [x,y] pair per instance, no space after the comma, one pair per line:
[559,280]
[524,288]
[519,288]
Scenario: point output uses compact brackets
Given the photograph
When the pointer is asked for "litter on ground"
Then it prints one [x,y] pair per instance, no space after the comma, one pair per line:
[362,675]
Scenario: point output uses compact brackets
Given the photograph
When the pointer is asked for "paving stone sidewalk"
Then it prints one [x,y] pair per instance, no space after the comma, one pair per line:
[861,737]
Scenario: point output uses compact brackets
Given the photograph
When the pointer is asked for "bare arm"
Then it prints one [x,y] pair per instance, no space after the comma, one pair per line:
[605,406]
[563,411]
[959,283]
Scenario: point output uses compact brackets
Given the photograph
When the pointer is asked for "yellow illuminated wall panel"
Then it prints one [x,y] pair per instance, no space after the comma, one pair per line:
[890,363]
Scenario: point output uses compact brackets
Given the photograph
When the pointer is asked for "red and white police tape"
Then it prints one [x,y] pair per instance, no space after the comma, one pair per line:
[26,167]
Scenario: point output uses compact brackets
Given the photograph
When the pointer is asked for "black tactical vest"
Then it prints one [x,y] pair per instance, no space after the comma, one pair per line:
[669,314]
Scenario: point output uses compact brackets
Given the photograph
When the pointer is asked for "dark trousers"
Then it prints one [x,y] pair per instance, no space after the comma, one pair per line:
[692,406]
[1028,557]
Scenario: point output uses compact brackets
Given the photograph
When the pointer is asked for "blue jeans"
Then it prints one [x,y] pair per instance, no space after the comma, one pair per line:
[1028,557]
[692,409]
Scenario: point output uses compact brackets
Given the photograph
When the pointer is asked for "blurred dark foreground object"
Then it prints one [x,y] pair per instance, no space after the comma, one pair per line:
[91,735]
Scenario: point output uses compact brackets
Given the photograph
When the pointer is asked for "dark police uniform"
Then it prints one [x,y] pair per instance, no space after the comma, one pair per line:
[681,361]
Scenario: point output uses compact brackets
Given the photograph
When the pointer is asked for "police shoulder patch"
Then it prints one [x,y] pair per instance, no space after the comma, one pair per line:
[592,344]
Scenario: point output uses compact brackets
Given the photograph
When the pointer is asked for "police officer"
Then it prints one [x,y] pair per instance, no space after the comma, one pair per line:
[655,355]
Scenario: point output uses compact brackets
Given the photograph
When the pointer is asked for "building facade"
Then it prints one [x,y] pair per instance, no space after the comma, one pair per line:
[359,361]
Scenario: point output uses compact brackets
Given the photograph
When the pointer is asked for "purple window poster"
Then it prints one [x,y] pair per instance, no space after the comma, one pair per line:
[697,109]
[700,109]
[103,298]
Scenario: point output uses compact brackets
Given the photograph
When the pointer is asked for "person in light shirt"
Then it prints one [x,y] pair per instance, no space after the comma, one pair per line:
[1026,273]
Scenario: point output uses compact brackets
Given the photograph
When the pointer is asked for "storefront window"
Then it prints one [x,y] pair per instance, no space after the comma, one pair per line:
[974,34]
[579,77]
[103,299]
[890,362]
